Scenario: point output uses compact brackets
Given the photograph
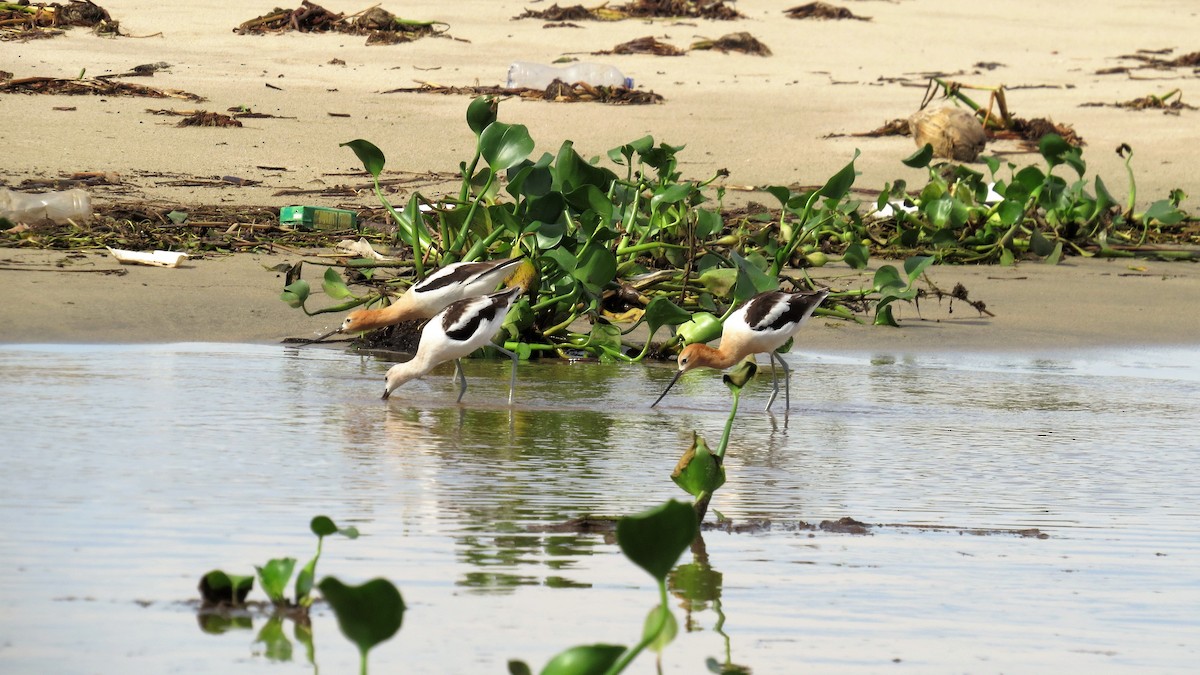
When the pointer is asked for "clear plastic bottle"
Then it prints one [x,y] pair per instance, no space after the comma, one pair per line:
[524,74]
[24,207]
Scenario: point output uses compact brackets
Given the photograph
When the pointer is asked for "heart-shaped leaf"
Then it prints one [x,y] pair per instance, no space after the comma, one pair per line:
[333,285]
[504,146]
[655,538]
[368,614]
[274,577]
[296,293]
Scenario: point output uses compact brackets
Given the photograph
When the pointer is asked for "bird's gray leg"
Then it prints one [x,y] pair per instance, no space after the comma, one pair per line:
[512,385]
[774,382]
[462,379]
[787,384]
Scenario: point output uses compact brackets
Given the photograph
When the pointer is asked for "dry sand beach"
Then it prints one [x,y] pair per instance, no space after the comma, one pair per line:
[768,120]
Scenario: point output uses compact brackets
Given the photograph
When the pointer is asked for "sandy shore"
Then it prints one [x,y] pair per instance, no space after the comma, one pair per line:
[766,120]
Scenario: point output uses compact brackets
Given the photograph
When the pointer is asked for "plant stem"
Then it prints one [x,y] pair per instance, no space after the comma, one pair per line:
[631,654]
[720,453]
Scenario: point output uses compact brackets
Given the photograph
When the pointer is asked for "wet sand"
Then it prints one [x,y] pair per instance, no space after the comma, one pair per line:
[767,120]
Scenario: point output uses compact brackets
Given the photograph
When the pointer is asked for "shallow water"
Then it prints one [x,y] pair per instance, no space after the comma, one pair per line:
[127,472]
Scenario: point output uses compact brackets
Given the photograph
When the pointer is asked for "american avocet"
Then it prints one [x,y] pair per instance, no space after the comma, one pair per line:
[762,325]
[458,281]
[455,332]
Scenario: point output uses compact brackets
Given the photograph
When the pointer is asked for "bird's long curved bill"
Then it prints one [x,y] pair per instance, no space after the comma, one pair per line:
[664,394]
[326,336]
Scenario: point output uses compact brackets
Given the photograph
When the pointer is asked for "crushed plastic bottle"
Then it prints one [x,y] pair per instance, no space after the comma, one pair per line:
[60,207]
[527,75]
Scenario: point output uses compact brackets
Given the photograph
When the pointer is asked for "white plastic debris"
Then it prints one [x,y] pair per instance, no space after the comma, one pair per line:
[889,210]
[361,248]
[156,259]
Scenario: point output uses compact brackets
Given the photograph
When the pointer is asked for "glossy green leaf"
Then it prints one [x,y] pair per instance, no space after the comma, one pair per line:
[1006,257]
[914,266]
[371,157]
[655,538]
[322,526]
[919,159]
[702,327]
[780,192]
[662,312]
[274,576]
[505,145]
[662,626]
[296,293]
[887,277]
[596,266]
[584,660]
[333,285]
[516,667]
[699,470]
[304,582]
[708,223]
[1164,212]
[482,112]
[1011,212]
[218,587]
[738,377]
[856,256]
[719,281]
[883,315]
[1053,147]
[1039,244]
[938,210]
[750,279]
[840,183]
[367,614]
[1056,255]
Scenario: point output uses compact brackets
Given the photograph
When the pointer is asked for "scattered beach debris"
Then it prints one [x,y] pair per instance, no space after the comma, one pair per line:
[1150,102]
[361,248]
[237,112]
[80,86]
[22,21]
[953,133]
[822,10]
[155,259]
[638,9]
[203,118]
[379,25]
[998,124]
[735,42]
[1152,59]
[645,45]
[558,91]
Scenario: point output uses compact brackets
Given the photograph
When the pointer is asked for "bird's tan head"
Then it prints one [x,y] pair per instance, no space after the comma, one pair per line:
[361,320]
[694,356]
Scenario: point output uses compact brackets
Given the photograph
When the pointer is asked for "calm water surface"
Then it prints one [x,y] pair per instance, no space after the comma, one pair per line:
[127,472]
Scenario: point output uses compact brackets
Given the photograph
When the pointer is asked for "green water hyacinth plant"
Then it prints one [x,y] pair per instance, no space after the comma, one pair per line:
[322,526]
[701,471]
[367,614]
[653,540]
